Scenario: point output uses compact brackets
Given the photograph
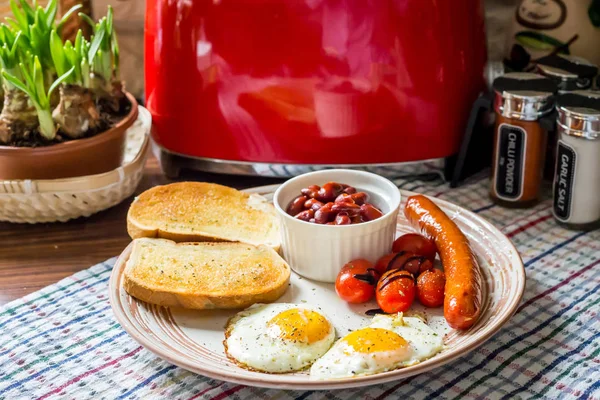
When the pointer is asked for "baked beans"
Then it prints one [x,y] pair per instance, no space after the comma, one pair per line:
[333,204]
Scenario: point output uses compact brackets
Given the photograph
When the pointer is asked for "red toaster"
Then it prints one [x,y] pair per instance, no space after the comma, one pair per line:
[273,87]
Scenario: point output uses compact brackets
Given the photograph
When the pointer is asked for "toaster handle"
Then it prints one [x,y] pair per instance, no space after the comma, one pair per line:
[482,105]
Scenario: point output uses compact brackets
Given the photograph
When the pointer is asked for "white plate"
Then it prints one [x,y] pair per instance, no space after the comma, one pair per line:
[194,339]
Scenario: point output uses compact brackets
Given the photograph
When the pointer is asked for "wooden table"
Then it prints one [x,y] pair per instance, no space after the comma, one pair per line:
[34,256]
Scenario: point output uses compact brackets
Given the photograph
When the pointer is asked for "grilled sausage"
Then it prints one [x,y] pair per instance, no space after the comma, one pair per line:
[463,297]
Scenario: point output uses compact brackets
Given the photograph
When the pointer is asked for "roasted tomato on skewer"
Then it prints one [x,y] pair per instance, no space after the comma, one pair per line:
[356,281]
[396,291]
[417,244]
[411,262]
[430,288]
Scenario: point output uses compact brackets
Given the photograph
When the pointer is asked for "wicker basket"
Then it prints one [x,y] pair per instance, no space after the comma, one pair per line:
[53,200]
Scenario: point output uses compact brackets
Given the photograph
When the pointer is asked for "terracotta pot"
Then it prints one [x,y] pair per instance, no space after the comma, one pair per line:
[101,153]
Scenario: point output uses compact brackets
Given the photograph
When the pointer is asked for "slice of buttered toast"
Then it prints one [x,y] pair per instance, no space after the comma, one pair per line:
[198,211]
[204,275]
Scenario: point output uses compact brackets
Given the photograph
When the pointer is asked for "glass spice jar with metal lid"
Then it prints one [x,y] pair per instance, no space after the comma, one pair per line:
[568,72]
[576,192]
[521,100]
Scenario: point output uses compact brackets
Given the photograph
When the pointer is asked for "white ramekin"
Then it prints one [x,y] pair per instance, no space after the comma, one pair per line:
[317,251]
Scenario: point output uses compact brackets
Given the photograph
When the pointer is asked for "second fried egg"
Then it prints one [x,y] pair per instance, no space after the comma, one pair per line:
[388,343]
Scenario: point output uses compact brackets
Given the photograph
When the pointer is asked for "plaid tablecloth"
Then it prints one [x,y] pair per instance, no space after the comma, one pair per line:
[63,341]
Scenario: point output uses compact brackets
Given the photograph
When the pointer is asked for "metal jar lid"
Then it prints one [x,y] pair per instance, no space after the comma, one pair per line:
[569,72]
[524,96]
[579,114]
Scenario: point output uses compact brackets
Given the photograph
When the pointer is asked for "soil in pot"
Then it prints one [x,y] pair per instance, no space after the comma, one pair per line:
[31,137]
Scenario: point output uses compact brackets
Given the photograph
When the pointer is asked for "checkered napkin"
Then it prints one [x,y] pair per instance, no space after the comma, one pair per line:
[63,341]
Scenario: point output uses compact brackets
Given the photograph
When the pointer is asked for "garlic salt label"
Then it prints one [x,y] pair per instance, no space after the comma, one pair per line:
[510,162]
[563,180]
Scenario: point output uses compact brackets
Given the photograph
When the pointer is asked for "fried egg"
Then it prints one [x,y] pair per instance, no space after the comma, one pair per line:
[278,338]
[388,343]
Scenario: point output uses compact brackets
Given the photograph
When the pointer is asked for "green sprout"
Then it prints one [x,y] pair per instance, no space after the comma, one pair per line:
[104,50]
[10,53]
[36,23]
[76,112]
[68,56]
[32,55]
[26,14]
[33,85]
[66,16]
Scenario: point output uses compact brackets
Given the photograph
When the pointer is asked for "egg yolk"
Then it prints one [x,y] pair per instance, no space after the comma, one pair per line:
[303,326]
[374,340]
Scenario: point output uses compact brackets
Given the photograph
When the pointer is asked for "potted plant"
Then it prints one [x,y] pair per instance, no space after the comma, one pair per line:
[63,111]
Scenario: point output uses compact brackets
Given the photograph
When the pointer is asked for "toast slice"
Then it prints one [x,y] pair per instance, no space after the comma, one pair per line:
[198,212]
[204,275]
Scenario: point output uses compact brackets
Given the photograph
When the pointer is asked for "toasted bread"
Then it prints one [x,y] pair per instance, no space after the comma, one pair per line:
[198,212]
[204,275]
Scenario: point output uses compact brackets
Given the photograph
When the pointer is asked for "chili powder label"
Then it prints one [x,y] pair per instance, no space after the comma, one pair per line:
[510,167]
[563,180]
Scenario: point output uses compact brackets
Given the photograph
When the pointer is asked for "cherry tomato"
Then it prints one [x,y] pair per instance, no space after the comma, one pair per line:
[430,288]
[356,281]
[415,243]
[382,264]
[414,264]
[395,291]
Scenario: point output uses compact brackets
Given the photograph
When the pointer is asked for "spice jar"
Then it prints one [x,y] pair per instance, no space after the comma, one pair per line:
[576,200]
[568,72]
[521,100]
